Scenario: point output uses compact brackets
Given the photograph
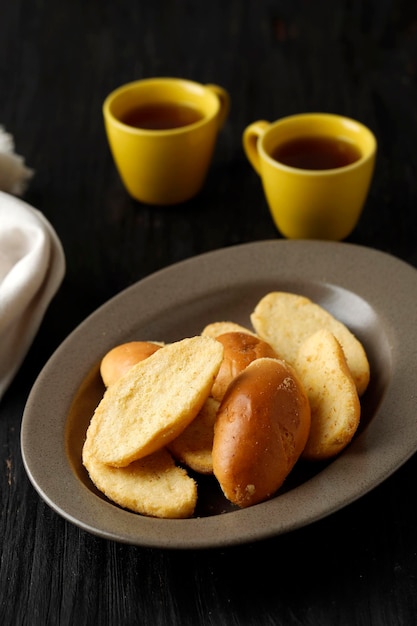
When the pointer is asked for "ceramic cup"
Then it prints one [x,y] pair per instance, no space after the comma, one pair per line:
[162,134]
[316,170]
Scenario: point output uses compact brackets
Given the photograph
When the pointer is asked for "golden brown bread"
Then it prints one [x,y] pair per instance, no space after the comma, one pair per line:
[214,329]
[120,359]
[152,486]
[154,401]
[285,320]
[240,349]
[193,447]
[332,393]
[262,426]
[239,410]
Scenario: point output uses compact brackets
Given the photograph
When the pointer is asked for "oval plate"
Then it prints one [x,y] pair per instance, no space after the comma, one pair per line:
[372,292]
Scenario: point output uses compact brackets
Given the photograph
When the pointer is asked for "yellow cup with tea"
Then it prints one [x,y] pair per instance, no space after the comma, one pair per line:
[162,133]
[316,170]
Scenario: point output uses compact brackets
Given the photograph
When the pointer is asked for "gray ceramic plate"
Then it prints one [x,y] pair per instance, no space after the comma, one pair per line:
[374,293]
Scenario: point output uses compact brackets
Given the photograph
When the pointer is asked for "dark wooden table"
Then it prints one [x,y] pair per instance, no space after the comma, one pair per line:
[58,60]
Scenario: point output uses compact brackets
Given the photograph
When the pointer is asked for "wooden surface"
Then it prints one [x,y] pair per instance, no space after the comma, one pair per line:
[58,60]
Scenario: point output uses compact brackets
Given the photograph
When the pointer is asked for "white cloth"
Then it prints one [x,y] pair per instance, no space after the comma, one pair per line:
[32,266]
[14,175]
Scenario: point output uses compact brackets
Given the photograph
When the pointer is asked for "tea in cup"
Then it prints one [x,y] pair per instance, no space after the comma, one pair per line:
[162,134]
[316,170]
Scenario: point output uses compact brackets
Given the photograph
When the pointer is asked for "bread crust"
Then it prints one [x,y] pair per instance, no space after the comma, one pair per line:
[262,427]
[121,358]
[240,349]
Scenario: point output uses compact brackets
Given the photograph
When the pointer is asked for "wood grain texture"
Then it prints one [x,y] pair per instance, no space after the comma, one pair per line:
[58,60]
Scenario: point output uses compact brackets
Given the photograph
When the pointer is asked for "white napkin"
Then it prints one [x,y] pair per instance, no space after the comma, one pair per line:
[14,175]
[32,266]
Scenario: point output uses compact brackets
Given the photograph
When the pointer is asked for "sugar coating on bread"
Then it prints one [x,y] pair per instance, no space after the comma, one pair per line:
[332,393]
[285,320]
[152,486]
[150,405]
[262,426]
[215,329]
[193,447]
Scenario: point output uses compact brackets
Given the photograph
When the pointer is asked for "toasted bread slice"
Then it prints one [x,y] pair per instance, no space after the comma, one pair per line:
[152,486]
[331,390]
[154,401]
[215,329]
[194,445]
[285,320]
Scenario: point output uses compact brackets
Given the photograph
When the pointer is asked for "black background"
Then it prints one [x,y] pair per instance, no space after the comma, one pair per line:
[58,61]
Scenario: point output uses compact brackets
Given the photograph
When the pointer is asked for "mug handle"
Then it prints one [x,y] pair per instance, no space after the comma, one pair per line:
[224,99]
[251,135]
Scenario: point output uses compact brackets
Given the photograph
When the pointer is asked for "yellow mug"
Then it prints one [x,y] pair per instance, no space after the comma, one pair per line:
[162,133]
[316,170]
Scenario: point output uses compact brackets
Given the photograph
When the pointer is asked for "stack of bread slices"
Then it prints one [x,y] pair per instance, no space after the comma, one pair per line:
[241,404]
